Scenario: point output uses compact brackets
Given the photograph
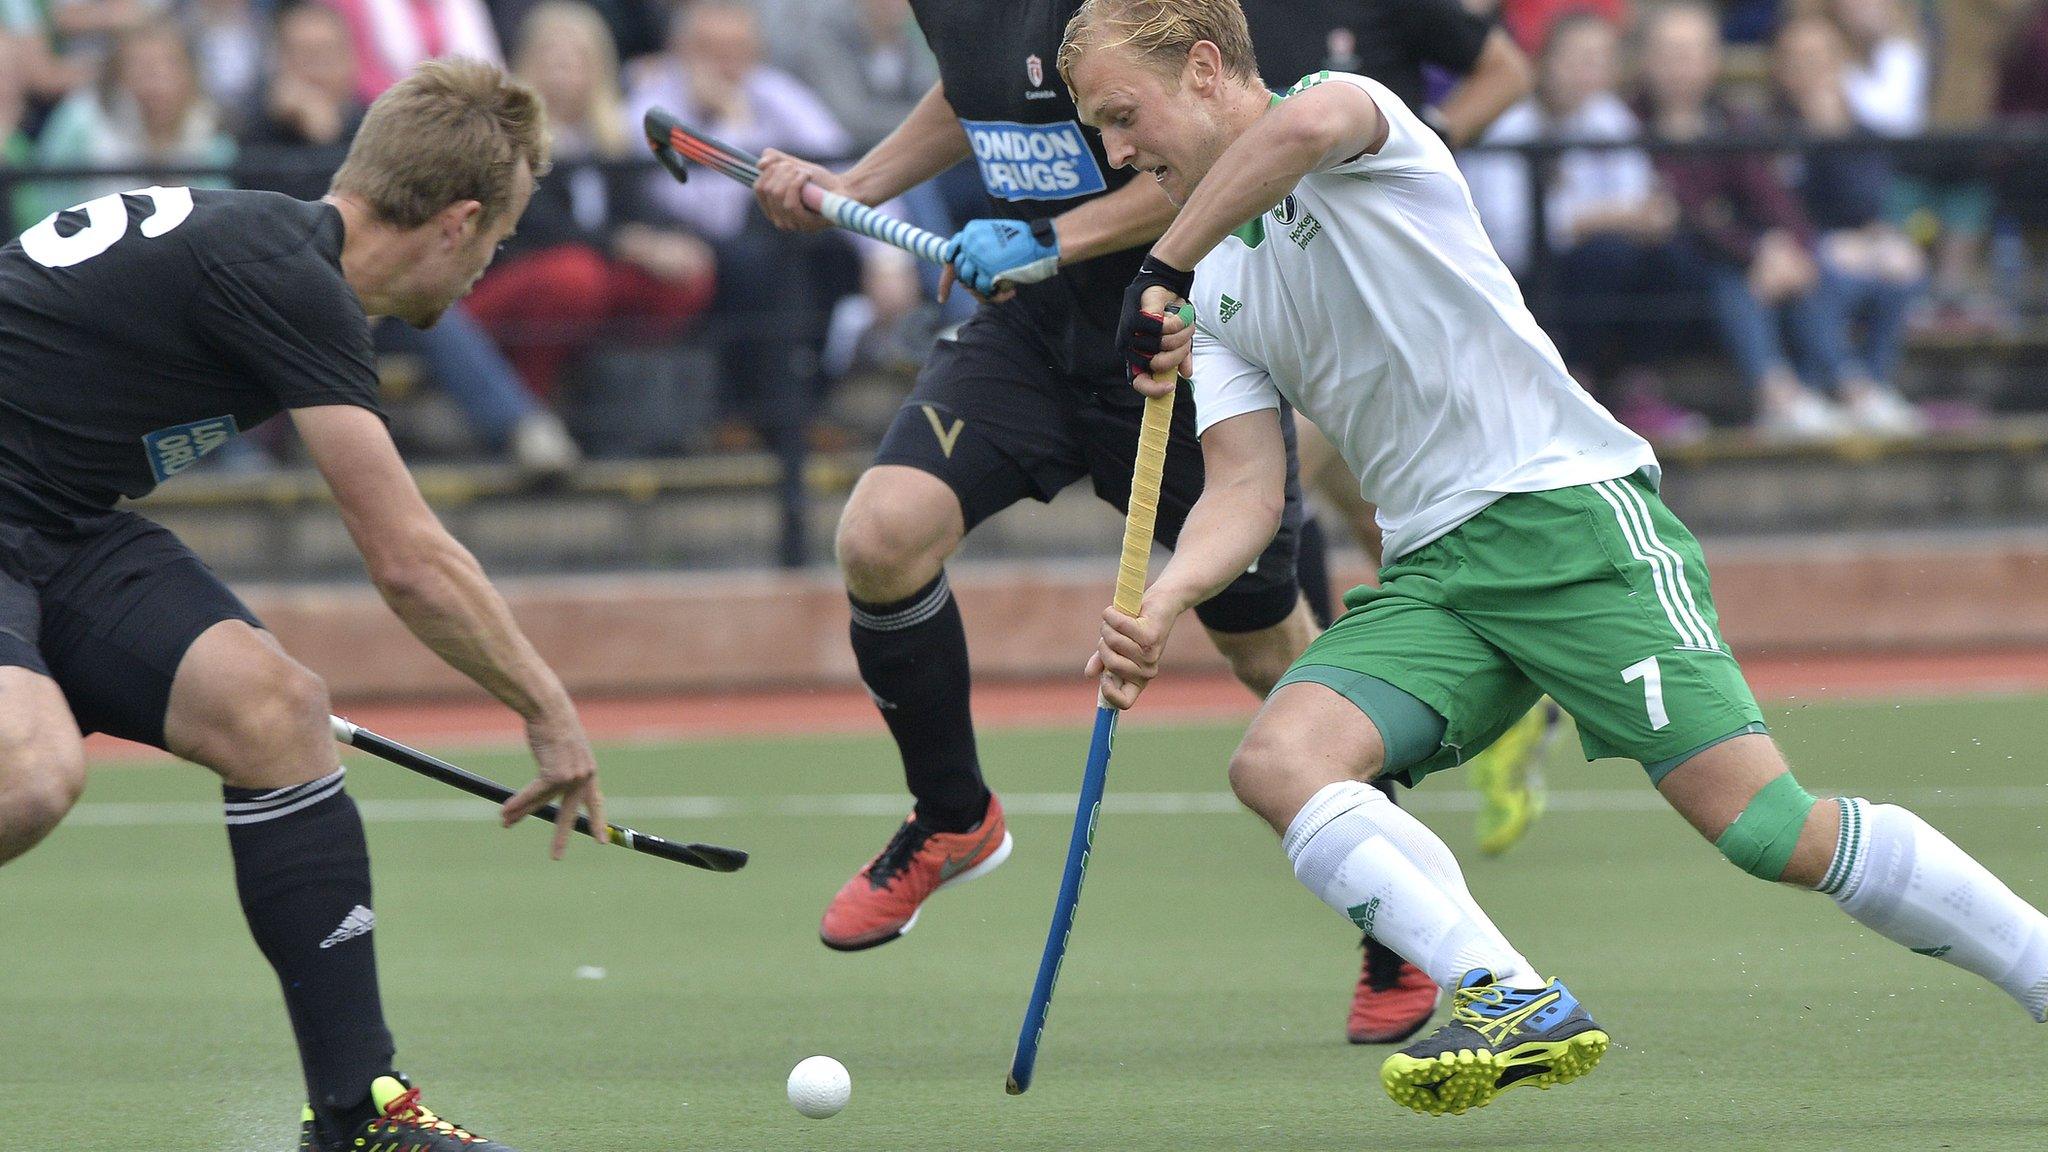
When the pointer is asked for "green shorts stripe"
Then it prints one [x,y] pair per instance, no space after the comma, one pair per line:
[1667,568]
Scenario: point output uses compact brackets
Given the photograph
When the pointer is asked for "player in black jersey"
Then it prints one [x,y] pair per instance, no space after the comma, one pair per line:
[142,330]
[1029,398]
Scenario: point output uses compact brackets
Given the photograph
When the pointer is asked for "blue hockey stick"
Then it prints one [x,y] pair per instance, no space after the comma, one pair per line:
[1130,594]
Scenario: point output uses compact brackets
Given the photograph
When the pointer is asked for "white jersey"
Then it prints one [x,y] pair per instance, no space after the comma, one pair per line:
[1371,300]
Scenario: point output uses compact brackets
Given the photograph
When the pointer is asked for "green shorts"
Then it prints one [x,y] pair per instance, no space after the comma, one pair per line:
[1595,595]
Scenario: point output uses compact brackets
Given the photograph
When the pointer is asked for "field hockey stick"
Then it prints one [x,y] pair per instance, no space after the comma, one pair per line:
[674,142]
[709,857]
[1130,596]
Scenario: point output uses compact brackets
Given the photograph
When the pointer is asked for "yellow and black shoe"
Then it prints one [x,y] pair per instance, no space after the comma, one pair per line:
[1497,1038]
[402,1124]
[1509,778]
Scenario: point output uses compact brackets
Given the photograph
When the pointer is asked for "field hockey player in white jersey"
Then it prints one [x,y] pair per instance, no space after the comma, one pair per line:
[1334,260]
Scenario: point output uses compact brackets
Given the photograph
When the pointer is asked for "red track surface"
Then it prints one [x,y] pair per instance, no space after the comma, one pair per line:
[1173,700]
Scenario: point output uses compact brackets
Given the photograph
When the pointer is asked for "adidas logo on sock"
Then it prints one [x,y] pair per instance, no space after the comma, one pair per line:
[358,922]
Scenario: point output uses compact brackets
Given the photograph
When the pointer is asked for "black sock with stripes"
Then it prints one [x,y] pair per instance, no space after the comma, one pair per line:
[913,658]
[303,872]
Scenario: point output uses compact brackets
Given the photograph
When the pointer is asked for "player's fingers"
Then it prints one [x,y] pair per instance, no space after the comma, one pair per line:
[1117,693]
[1150,386]
[565,823]
[524,801]
[1127,647]
[1094,665]
[593,803]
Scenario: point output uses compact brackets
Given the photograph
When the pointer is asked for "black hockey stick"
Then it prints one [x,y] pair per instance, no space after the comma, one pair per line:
[710,857]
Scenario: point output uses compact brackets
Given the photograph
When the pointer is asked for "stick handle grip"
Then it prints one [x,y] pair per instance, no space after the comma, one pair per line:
[1143,515]
[855,216]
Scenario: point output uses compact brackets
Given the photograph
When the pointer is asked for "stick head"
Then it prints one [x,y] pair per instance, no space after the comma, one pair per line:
[657,126]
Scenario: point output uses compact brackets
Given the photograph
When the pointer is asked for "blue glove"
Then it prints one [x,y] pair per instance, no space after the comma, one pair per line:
[988,254]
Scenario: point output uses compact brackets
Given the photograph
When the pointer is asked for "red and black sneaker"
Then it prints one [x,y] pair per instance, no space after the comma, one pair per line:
[883,899]
[1393,1000]
[401,1123]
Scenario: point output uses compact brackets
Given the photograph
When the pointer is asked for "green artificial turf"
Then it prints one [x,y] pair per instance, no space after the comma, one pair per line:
[1201,1006]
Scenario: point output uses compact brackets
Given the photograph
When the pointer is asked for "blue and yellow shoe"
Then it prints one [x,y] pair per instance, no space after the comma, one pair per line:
[1497,1038]
[1509,778]
[402,1122]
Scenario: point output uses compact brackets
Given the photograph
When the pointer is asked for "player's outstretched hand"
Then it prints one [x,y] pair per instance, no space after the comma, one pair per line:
[568,775]
[1127,653]
[989,255]
[780,191]
[1149,325]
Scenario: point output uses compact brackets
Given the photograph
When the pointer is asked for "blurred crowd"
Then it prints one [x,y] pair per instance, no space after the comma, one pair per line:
[1807,266]
[1804,270]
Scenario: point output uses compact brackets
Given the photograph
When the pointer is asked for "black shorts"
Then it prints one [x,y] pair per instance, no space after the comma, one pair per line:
[997,421]
[107,611]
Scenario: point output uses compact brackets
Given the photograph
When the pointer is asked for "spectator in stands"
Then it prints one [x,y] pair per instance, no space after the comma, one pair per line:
[86,29]
[298,131]
[775,289]
[636,26]
[1870,272]
[1955,199]
[227,36]
[1609,225]
[585,255]
[147,111]
[1530,21]
[15,148]
[391,36]
[1752,243]
[46,76]
[867,62]
[1885,72]
[2023,184]
[307,114]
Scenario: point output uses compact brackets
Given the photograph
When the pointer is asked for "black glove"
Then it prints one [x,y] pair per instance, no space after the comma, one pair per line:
[1138,331]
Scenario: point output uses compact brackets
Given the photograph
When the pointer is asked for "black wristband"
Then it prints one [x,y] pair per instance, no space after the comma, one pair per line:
[1157,271]
[1043,232]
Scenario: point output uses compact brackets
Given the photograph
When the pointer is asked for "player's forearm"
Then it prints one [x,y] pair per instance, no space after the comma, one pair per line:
[1501,76]
[1130,217]
[1228,528]
[441,594]
[929,141]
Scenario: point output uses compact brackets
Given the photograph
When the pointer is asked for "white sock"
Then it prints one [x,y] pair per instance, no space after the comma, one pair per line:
[1910,884]
[1392,876]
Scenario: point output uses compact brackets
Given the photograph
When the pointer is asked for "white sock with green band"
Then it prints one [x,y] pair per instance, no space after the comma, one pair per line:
[1394,878]
[1910,884]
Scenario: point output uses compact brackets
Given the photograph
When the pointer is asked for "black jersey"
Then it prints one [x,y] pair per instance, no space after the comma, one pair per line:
[1388,40]
[996,60]
[140,331]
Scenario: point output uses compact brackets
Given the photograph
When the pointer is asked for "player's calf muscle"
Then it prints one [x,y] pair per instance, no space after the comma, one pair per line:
[1741,796]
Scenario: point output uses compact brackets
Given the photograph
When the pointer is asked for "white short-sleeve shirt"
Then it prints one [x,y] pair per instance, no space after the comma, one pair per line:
[1370,299]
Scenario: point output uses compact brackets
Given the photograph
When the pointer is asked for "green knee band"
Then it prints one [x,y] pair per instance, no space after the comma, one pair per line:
[1761,840]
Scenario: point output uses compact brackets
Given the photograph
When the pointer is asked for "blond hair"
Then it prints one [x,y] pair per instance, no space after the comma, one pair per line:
[1159,33]
[555,19]
[454,130]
